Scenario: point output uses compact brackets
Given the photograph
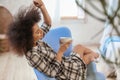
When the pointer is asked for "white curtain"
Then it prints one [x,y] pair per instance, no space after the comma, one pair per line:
[53,7]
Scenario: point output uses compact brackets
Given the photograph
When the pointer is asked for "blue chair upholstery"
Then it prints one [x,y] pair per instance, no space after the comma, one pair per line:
[107,43]
[52,38]
[93,74]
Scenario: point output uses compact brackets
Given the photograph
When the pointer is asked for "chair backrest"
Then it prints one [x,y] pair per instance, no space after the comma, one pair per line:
[5,19]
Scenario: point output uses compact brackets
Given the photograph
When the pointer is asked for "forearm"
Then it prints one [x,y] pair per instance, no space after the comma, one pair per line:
[59,56]
[44,63]
[62,49]
[46,16]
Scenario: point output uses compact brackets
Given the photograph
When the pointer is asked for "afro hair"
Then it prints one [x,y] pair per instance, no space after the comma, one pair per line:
[20,33]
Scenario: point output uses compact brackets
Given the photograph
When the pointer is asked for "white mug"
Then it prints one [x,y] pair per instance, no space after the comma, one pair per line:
[65,39]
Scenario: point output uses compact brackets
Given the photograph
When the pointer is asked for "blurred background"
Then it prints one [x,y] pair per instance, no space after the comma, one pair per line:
[91,22]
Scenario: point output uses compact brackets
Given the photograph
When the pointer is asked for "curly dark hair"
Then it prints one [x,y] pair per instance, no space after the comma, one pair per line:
[20,33]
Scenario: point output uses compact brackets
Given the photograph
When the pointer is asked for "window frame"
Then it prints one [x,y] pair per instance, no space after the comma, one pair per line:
[74,17]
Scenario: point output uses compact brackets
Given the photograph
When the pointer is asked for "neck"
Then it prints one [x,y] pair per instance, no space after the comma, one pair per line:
[34,44]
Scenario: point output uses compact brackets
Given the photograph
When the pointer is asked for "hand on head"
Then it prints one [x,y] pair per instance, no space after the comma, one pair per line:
[38,3]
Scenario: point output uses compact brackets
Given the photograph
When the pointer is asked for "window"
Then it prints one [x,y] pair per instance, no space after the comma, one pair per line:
[69,9]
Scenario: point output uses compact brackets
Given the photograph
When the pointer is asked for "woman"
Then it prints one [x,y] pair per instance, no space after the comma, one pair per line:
[25,37]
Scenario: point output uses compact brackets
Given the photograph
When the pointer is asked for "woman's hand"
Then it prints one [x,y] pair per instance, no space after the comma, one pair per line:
[62,49]
[88,58]
[64,46]
[38,3]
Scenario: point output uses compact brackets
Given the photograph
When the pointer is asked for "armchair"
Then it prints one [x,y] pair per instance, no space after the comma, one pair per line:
[52,38]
